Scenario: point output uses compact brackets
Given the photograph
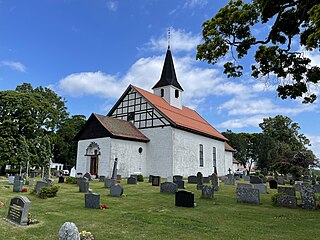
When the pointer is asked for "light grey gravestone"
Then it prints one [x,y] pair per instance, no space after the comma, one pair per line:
[308,197]
[73,172]
[132,180]
[18,210]
[170,179]
[192,179]
[168,187]
[261,187]
[287,190]
[316,188]
[39,185]
[69,231]
[246,178]
[17,185]
[11,179]
[215,181]
[116,190]
[92,200]
[31,183]
[207,191]
[108,183]
[83,185]
[244,185]
[88,176]
[255,180]
[247,195]
[280,180]
[199,181]
[287,201]
[229,180]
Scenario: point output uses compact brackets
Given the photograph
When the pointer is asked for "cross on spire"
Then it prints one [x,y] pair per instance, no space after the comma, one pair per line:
[169,36]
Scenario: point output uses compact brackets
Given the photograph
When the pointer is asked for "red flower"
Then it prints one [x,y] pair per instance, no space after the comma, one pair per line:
[24,190]
[104,206]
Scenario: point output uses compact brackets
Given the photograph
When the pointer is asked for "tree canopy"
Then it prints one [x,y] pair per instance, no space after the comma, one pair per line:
[232,31]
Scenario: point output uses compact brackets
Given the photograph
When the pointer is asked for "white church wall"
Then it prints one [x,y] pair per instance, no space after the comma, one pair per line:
[186,154]
[83,162]
[159,154]
[169,95]
[129,159]
[229,159]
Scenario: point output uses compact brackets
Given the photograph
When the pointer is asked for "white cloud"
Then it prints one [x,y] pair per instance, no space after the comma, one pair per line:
[252,121]
[195,3]
[112,5]
[315,144]
[18,66]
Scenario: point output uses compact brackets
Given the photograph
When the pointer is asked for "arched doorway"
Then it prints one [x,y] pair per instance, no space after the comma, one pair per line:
[93,152]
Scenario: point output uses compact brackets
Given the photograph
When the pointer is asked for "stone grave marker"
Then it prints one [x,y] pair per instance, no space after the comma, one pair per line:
[40,184]
[108,183]
[131,180]
[316,188]
[247,195]
[61,179]
[17,185]
[246,178]
[273,184]
[134,176]
[168,187]
[102,178]
[280,180]
[11,179]
[287,190]
[229,180]
[69,231]
[92,200]
[177,177]
[255,180]
[192,179]
[308,197]
[287,201]
[199,181]
[244,185]
[207,191]
[31,183]
[18,210]
[261,187]
[180,183]
[88,176]
[215,181]
[184,199]
[116,190]
[118,177]
[156,180]
[84,185]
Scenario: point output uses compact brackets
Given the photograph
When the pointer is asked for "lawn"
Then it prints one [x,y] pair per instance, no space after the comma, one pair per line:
[145,213]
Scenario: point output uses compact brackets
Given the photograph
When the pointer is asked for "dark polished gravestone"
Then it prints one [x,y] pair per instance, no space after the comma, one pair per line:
[150,178]
[17,185]
[83,185]
[287,201]
[184,199]
[180,183]
[116,190]
[207,191]
[308,197]
[177,177]
[108,183]
[255,180]
[131,180]
[247,195]
[273,184]
[215,181]
[88,176]
[102,178]
[192,179]
[199,181]
[244,185]
[287,190]
[92,200]
[61,179]
[156,180]
[168,187]
[39,185]
[18,210]
[118,176]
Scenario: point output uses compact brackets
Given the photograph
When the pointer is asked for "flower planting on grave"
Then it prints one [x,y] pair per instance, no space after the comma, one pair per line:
[140,178]
[24,190]
[104,206]
[48,192]
[31,220]
[84,235]
[71,180]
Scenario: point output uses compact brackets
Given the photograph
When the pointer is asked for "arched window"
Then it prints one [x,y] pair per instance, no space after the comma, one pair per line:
[176,93]
[201,155]
[162,92]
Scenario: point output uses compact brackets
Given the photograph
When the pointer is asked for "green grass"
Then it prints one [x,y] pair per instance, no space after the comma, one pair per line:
[144,213]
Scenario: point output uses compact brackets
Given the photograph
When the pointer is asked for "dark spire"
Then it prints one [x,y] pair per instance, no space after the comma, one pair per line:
[168,75]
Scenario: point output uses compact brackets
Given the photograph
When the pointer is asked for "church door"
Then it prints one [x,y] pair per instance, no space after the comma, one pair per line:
[94,165]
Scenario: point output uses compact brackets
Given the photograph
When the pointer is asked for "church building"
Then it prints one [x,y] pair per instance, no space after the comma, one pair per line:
[152,134]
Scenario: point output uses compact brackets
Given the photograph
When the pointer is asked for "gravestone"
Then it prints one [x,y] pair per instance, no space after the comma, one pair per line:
[192,179]
[31,183]
[287,190]
[168,187]
[73,172]
[244,185]
[255,180]
[246,178]
[207,191]
[92,200]
[287,201]
[11,179]
[280,180]
[180,183]
[184,199]
[108,183]
[61,179]
[131,180]
[84,185]
[116,190]
[114,171]
[236,176]
[69,231]
[39,185]
[102,178]
[156,180]
[261,187]
[273,184]
[308,197]
[134,176]
[206,179]
[215,181]
[316,188]
[177,177]
[17,185]
[118,177]
[229,180]
[18,210]
[150,178]
[199,181]
[247,195]
[88,176]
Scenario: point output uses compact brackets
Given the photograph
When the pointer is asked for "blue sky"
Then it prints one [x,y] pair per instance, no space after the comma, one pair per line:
[89,51]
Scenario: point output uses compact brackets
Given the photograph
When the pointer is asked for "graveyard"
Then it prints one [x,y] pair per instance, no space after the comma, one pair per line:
[142,212]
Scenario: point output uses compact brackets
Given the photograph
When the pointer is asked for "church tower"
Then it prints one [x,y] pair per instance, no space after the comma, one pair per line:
[168,86]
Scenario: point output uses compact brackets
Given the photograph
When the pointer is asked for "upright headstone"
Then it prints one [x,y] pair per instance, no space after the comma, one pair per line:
[244,185]
[308,197]
[40,184]
[168,187]
[116,190]
[280,180]
[118,177]
[114,172]
[132,180]
[229,180]
[207,191]
[11,179]
[156,180]
[73,172]
[150,178]
[177,177]
[31,183]
[61,179]
[255,180]
[247,195]
[246,178]
[261,187]
[17,185]
[316,188]
[180,183]
[192,179]
[287,201]
[287,190]
[199,181]
[84,185]
[273,184]
[184,199]
[108,183]
[18,210]
[88,176]
[92,200]
[215,181]
[69,231]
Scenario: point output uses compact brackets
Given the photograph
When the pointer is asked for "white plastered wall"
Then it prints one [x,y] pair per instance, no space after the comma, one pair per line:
[169,95]
[229,159]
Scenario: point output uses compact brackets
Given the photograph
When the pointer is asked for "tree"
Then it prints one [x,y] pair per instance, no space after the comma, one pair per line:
[231,31]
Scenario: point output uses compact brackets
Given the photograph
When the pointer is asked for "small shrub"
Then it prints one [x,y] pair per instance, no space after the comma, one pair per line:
[48,192]
[71,180]
[274,198]
[140,178]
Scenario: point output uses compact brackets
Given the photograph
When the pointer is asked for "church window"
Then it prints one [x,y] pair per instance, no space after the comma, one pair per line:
[176,94]
[201,154]
[214,157]
[162,92]
[140,150]
[130,117]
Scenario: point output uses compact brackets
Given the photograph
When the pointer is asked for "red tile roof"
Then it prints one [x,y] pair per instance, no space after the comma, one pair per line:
[184,118]
[228,147]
